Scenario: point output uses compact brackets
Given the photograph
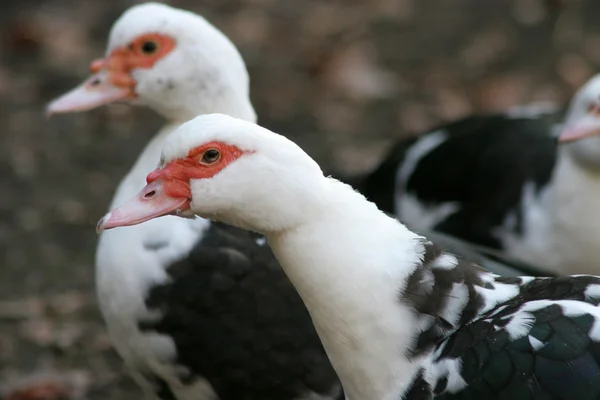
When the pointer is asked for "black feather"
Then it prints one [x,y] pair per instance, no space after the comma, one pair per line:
[482,167]
[237,321]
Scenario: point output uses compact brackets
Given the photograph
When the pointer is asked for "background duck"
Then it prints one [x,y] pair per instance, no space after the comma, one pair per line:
[501,181]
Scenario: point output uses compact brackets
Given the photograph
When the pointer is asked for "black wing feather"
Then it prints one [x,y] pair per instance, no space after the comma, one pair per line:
[238,322]
[495,367]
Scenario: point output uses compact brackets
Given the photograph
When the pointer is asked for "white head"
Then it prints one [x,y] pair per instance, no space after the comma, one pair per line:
[581,131]
[229,170]
[171,60]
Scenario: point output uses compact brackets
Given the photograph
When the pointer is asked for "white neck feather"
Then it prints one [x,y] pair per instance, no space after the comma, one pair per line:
[349,264]
[223,99]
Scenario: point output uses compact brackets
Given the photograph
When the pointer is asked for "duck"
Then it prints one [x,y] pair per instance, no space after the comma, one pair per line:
[399,316]
[198,310]
[522,182]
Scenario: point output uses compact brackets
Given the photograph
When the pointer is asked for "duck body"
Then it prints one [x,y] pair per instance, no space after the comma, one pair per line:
[399,316]
[499,181]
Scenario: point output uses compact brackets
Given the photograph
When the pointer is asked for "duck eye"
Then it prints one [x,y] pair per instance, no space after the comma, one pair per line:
[149,47]
[211,156]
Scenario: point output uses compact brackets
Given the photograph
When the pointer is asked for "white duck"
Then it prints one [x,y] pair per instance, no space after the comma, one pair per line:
[197,310]
[400,318]
[501,181]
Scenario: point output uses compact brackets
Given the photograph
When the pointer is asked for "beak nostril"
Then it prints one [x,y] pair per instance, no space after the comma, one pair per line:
[150,195]
[95,82]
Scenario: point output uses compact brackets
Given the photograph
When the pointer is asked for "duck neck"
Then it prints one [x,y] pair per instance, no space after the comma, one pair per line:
[219,98]
[570,204]
[227,103]
[349,264]
[575,186]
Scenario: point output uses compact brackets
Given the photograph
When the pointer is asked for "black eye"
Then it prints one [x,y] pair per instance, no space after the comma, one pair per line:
[211,156]
[149,47]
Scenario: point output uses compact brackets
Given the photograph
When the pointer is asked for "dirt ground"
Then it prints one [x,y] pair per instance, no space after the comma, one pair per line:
[342,78]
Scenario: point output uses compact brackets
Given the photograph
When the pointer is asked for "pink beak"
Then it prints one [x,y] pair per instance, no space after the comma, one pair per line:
[151,202]
[587,126]
[95,91]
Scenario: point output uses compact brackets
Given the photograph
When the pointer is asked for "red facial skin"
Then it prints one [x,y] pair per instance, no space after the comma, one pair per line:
[168,190]
[178,173]
[123,60]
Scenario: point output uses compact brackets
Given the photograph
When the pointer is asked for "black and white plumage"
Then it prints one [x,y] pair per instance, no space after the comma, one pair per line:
[511,337]
[465,165]
[502,182]
[399,317]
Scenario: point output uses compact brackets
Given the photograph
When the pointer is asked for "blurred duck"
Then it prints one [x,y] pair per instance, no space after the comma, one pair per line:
[502,181]
[399,317]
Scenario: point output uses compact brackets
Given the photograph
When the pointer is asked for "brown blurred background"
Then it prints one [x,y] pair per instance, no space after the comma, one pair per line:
[342,78]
